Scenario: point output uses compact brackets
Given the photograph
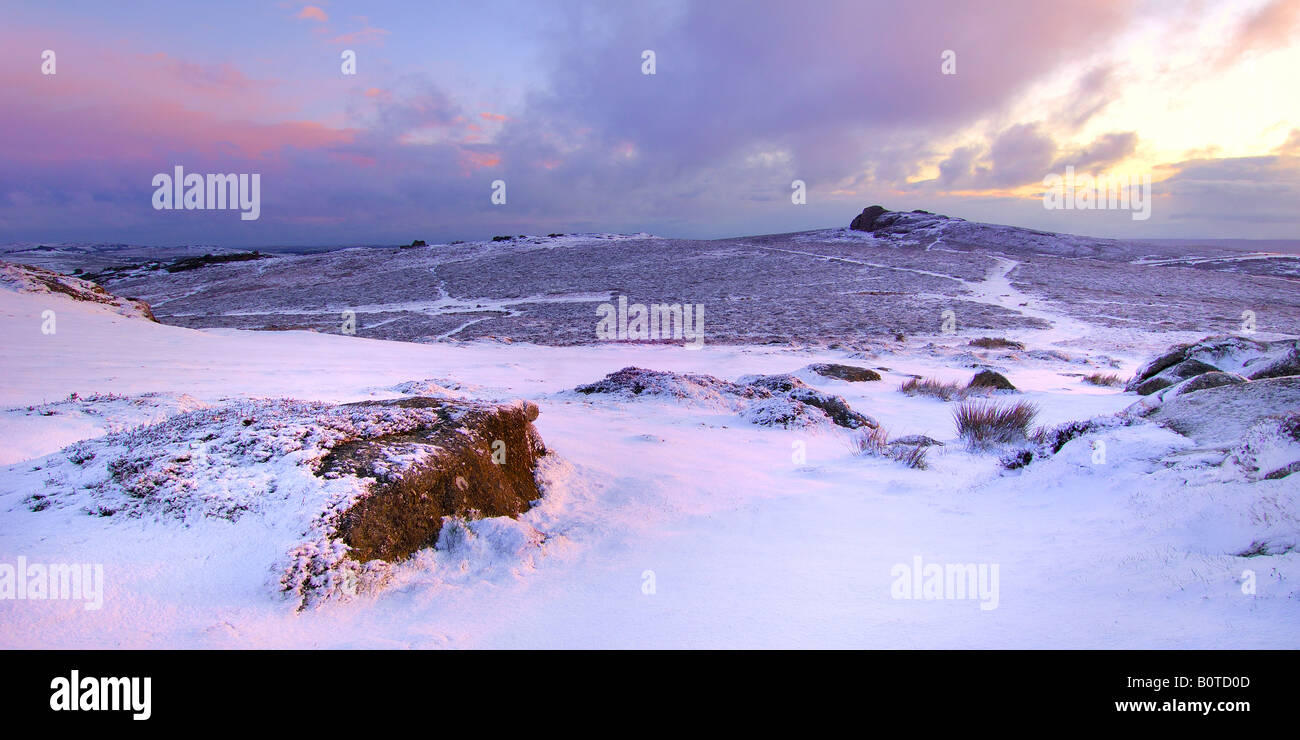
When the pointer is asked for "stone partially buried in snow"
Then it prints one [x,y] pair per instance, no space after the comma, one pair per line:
[1212,379]
[770,400]
[1288,363]
[1173,375]
[794,389]
[1270,449]
[851,373]
[632,382]
[1251,358]
[1152,401]
[991,379]
[1222,415]
[916,440]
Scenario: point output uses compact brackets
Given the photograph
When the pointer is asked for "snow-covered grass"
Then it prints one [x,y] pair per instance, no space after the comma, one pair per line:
[663,524]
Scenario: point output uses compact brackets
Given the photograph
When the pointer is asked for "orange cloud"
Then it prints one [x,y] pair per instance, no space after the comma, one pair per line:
[493,116]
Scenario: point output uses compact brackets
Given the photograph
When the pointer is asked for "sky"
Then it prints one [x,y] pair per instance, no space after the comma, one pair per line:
[858,100]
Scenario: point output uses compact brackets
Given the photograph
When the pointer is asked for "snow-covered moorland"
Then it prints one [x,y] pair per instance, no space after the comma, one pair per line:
[717,497]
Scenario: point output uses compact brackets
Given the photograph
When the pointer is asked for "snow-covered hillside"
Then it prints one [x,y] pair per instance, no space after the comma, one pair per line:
[813,289]
[667,518]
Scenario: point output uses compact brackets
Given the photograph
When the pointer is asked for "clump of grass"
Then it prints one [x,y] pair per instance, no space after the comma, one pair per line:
[1103,379]
[875,442]
[913,456]
[984,424]
[870,441]
[935,388]
[996,343]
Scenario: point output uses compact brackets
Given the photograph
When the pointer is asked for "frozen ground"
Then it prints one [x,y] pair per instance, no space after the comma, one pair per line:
[749,535]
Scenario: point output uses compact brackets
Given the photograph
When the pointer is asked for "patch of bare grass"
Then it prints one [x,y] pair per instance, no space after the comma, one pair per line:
[941,389]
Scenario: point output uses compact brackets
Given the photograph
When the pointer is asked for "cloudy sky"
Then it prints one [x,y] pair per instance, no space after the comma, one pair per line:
[549,96]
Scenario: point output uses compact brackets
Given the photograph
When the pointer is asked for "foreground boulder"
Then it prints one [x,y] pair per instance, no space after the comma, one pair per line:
[769,400]
[1249,358]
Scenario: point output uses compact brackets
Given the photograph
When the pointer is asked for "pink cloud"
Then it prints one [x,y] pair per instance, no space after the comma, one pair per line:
[122,106]
[367,34]
[311,12]
[1272,26]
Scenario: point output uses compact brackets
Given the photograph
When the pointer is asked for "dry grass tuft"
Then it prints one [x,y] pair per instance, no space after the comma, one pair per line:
[934,388]
[984,424]
[1103,379]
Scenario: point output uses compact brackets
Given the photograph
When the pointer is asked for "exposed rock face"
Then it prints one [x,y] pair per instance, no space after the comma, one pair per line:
[991,379]
[438,460]
[1249,358]
[770,400]
[851,373]
[481,463]
[865,220]
[882,222]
